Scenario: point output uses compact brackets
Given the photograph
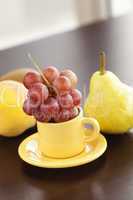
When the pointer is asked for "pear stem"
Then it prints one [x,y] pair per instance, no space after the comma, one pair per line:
[102,63]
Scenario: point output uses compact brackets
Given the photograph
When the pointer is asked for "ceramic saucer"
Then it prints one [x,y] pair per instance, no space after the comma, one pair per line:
[29,152]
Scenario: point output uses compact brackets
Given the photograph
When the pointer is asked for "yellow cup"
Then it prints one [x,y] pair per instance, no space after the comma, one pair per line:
[66,139]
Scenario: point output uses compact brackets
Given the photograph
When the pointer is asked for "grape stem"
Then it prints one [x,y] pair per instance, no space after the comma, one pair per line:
[102,63]
[37,66]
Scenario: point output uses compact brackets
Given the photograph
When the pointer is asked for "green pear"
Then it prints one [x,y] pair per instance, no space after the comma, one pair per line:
[110,101]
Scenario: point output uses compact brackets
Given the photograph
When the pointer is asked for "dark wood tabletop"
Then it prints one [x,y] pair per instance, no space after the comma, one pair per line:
[109,177]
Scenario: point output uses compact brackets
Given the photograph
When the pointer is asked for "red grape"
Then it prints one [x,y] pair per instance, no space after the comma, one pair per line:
[71,75]
[74,112]
[62,84]
[76,95]
[30,78]
[50,106]
[38,93]
[32,98]
[41,116]
[66,114]
[63,115]
[28,109]
[51,73]
[65,101]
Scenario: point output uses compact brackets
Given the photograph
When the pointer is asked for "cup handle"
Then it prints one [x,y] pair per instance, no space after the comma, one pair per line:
[91,133]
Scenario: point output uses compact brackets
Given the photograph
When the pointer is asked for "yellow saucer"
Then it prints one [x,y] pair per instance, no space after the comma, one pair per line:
[29,152]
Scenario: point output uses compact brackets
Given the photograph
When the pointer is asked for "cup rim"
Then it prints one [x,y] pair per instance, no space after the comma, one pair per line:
[66,122]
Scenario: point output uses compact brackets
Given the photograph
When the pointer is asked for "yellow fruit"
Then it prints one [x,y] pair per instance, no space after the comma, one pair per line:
[13,120]
[110,101]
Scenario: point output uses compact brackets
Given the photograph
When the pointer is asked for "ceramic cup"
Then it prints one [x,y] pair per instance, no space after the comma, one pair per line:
[66,139]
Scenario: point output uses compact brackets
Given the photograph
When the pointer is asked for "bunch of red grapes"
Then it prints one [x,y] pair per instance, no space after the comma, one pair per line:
[52,97]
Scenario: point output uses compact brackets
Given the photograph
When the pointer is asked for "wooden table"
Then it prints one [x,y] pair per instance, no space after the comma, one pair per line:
[111,176]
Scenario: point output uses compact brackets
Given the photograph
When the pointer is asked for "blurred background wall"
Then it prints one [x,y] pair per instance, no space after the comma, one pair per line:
[25,20]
